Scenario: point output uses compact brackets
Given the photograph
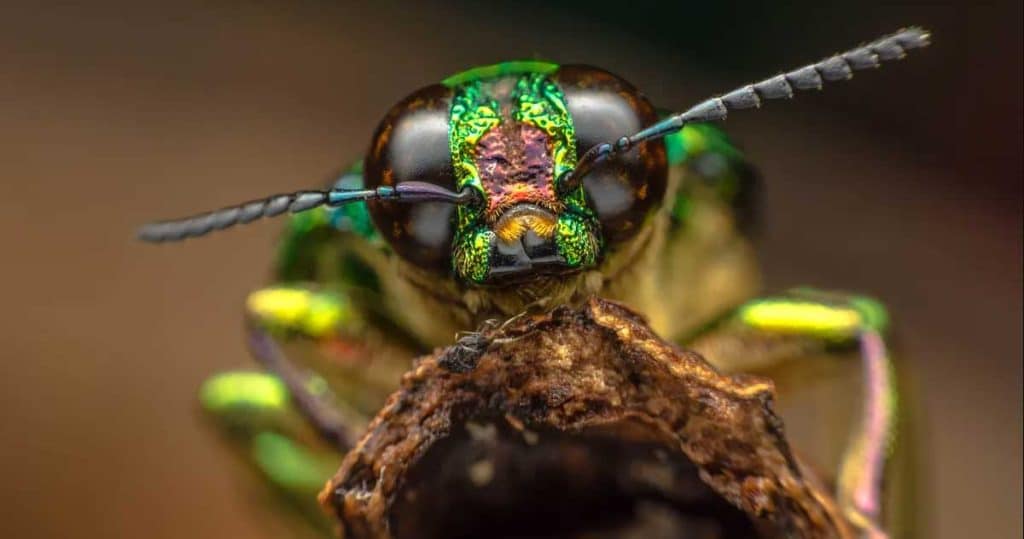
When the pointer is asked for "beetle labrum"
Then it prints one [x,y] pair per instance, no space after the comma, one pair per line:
[523,186]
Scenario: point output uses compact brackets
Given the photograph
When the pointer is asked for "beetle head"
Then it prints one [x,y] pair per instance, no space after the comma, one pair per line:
[508,134]
[489,158]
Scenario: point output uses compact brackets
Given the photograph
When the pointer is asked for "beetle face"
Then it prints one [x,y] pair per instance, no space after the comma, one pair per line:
[510,132]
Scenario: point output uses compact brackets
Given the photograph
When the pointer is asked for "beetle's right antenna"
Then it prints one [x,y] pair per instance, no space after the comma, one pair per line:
[838,67]
[300,201]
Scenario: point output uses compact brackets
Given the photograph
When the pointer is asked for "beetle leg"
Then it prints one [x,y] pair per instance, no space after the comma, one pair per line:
[328,371]
[352,358]
[765,333]
[254,412]
[309,392]
[288,310]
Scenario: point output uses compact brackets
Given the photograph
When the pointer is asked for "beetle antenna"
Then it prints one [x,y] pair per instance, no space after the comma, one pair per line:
[299,201]
[838,67]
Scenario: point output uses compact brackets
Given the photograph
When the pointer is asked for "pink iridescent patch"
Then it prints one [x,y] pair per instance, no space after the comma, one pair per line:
[515,165]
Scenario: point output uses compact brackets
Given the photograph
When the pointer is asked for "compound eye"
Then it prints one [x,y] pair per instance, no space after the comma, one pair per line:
[604,108]
[411,144]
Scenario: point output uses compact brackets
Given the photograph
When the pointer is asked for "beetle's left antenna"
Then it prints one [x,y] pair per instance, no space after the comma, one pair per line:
[838,67]
[299,201]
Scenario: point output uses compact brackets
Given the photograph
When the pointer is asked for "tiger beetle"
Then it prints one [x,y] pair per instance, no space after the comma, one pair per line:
[520,186]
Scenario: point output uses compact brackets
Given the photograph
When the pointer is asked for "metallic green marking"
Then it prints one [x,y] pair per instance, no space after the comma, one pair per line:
[473,113]
[712,157]
[575,243]
[472,253]
[352,217]
[503,69]
[694,141]
[703,138]
[347,218]
[306,233]
[698,139]
[682,209]
[538,101]
[243,391]
[298,243]
[301,224]
[675,148]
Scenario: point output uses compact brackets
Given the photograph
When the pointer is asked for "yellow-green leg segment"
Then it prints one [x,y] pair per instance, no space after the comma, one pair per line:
[255,415]
[765,333]
[324,373]
[323,318]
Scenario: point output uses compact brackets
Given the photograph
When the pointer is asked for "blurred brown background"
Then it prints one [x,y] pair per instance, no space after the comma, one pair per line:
[904,183]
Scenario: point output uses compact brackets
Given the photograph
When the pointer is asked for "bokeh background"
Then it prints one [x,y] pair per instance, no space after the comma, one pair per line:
[904,183]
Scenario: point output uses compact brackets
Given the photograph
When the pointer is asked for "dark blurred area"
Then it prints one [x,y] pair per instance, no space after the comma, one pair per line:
[904,183]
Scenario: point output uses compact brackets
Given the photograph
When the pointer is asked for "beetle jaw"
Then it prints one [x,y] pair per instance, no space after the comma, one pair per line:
[525,242]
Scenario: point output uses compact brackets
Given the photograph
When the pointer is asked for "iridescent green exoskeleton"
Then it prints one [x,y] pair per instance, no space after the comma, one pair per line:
[519,187]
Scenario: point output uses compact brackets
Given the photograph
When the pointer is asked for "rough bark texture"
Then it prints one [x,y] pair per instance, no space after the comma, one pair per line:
[577,423]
